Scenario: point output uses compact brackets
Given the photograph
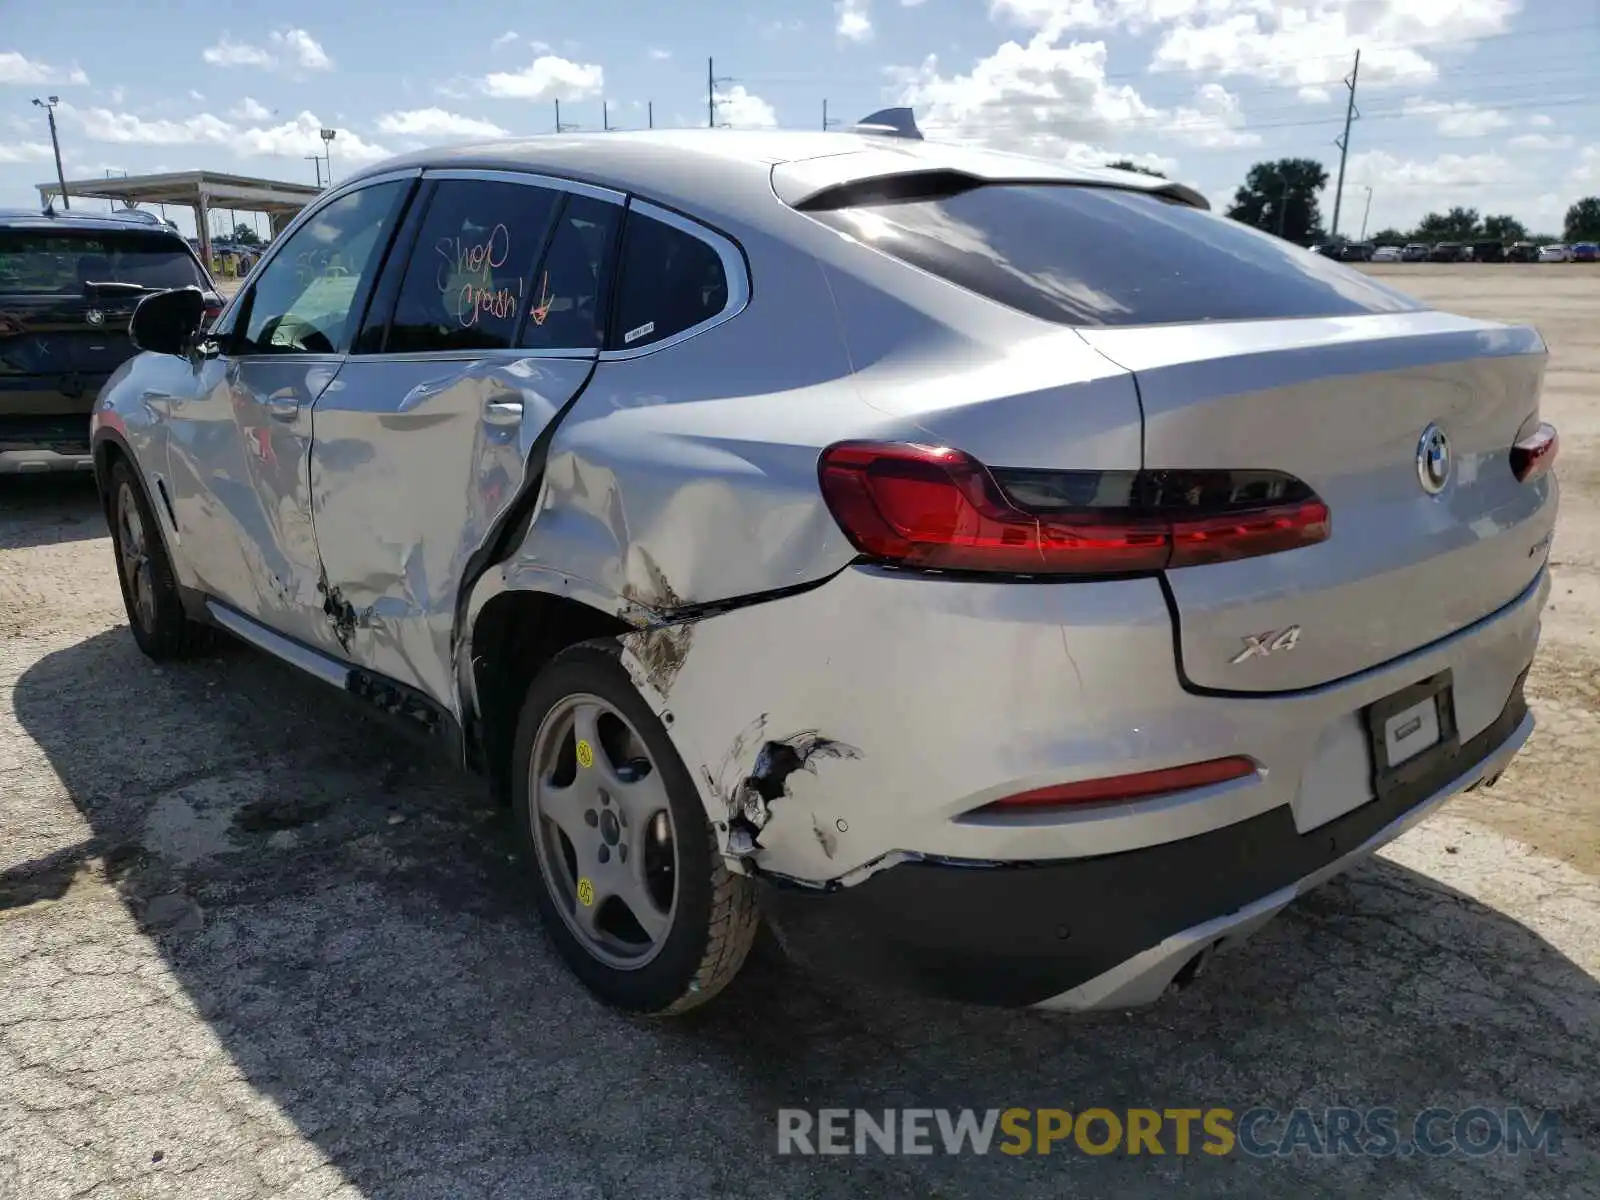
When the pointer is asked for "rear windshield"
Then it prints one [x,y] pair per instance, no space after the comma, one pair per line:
[60,262]
[1104,256]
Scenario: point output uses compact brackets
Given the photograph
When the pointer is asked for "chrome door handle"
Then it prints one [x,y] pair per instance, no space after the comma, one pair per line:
[282,408]
[503,412]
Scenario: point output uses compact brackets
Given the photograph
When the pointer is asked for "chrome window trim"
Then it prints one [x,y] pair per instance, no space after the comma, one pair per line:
[529,179]
[506,354]
[307,214]
[734,270]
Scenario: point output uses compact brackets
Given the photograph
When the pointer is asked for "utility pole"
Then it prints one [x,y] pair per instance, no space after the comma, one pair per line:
[1350,114]
[827,121]
[605,115]
[316,158]
[560,127]
[650,112]
[712,79]
[49,107]
[1283,206]
[327,140]
[1367,212]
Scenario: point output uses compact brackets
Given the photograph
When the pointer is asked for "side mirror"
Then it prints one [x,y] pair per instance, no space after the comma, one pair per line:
[168,322]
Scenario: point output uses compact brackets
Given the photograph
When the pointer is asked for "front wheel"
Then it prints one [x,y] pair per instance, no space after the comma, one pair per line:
[149,589]
[629,881]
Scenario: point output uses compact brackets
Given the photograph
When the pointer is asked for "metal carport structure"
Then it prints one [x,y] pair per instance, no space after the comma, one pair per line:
[199,190]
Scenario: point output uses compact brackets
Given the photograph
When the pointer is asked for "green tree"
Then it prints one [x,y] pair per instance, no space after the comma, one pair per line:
[1457,225]
[1390,237]
[1583,220]
[245,235]
[1504,229]
[1281,197]
[1127,164]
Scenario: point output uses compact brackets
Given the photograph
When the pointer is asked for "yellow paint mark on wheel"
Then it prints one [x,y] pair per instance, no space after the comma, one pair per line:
[585,891]
[585,754]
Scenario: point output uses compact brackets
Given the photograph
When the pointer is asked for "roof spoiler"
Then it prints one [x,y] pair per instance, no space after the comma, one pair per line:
[890,122]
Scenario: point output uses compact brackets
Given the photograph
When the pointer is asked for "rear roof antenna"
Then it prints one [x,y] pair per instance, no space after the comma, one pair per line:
[890,122]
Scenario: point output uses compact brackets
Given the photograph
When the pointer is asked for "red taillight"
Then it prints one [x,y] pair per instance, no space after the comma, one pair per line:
[933,507]
[1536,453]
[1139,786]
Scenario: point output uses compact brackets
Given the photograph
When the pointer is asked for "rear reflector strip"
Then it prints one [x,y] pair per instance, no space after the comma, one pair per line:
[1139,786]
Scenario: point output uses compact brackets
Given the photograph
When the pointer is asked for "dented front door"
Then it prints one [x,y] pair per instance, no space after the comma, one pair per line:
[422,444]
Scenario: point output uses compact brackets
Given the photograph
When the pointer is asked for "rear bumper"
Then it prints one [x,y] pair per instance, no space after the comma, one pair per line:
[38,461]
[36,435]
[1108,931]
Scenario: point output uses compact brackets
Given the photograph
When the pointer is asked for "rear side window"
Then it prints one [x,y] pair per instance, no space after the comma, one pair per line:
[61,263]
[567,309]
[466,284]
[671,281]
[1103,256]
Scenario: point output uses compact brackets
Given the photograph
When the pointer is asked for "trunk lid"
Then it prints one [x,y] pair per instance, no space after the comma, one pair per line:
[1342,404]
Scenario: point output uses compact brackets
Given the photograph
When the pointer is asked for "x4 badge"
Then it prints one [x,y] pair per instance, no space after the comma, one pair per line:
[1259,645]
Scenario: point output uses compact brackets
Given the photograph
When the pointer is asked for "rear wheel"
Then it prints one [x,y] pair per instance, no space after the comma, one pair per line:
[149,588]
[633,891]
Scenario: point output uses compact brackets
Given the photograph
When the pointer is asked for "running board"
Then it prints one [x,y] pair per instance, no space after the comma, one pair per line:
[312,662]
[412,710]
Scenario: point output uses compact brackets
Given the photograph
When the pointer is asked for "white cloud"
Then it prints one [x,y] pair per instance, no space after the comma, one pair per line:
[1541,121]
[505,39]
[1543,141]
[292,138]
[20,152]
[198,97]
[1382,169]
[546,78]
[1055,101]
[18,68]
[250,109]
[303,48]
[1586,174]
[1457,119]
[782,27]
[660,55]
[855,21]
[912,3]
[229,53]
[118,94]
[292,47]
[436,123]
[742,110]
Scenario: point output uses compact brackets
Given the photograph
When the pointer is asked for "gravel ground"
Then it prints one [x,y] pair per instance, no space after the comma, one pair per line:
[251,947]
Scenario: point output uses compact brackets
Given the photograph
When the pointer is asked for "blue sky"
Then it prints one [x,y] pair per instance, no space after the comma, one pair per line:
[1493,104]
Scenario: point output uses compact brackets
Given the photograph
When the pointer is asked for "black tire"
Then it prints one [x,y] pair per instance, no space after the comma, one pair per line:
[716,917]
[160,626]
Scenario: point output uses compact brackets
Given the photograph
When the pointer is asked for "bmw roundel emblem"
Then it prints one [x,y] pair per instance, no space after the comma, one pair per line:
[95,317]
[1433,460]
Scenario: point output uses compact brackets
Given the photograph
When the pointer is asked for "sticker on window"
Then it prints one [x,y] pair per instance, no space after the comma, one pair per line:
[634,335]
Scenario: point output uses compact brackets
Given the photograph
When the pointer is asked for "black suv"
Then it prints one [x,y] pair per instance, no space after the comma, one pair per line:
[68,286]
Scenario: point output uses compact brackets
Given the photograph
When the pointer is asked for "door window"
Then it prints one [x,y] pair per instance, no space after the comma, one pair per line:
[305,300]
[568,307]
[466,284]
[671,281]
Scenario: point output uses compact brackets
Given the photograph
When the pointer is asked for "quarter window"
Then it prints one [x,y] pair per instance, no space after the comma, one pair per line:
[466,285]
[304,300]
[671,281]
[568,306]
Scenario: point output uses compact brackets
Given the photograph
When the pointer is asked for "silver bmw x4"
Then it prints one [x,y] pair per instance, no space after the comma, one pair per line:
[1011,582]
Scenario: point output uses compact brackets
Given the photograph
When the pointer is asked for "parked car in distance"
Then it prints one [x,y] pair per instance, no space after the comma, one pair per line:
[1416,252]
[1450,252]
[69,283]
[1523,252]
[1554,253]
[654,498]
[1356,252]
[1386,254]
[1585,252]
[1488,252]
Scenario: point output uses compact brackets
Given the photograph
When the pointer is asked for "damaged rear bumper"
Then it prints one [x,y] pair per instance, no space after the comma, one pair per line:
[1108,931]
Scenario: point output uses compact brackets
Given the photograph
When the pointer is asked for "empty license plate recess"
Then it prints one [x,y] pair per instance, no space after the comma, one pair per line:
[1411,731]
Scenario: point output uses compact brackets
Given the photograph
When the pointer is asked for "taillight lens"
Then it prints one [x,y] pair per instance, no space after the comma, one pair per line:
[1138,786]
[1536,453]
[936,508]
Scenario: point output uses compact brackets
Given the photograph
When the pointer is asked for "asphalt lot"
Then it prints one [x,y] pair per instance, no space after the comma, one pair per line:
[251,947]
